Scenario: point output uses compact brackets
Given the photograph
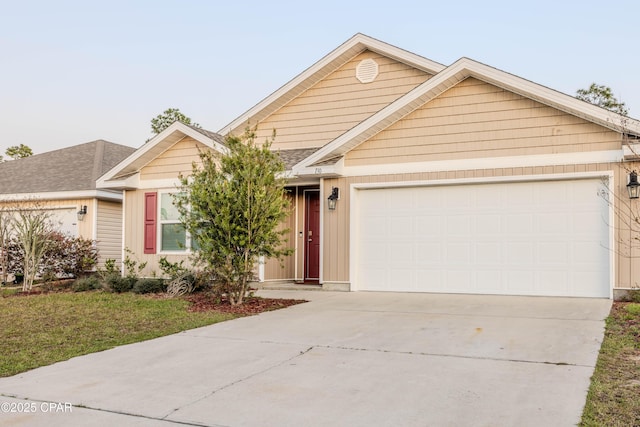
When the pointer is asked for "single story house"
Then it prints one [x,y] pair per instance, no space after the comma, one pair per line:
[63,182]
[409,175]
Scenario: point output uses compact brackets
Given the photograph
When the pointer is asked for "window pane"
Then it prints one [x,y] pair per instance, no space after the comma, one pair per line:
[173,237]
[195,245]
[167,210]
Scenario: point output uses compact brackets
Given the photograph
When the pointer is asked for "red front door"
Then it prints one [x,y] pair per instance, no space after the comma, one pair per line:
[312,235]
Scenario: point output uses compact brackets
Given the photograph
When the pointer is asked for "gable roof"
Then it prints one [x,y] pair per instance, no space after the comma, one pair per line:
[119,176]
[68,169]
[321,69]
[449,77]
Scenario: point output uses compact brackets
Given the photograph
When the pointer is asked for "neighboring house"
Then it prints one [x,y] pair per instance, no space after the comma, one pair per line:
[457,179]
[63,182]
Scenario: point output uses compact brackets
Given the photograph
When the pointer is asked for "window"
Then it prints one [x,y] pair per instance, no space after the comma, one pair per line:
[173,236]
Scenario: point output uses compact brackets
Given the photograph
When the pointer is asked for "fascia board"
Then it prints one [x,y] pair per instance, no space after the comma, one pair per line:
[139,153]
[401,55]
[143,151]
[63,195]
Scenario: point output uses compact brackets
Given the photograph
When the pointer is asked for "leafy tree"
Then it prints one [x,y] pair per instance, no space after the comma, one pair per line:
[602,96]
[18,151]
[234,206]
[167,118]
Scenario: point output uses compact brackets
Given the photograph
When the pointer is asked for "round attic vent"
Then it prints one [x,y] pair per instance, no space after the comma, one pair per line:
[367,71]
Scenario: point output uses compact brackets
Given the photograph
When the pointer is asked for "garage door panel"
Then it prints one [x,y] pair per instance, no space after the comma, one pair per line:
[489,281]
[517,223]
[489,224]
[401,255]
[553,253]
[458,281]
[428,225]
[529,238]
[519,253]
[488,253]
[520,281]
[587,256]
[554,282]
[428,254]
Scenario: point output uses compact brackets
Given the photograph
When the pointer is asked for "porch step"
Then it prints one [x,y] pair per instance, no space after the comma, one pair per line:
[289,287]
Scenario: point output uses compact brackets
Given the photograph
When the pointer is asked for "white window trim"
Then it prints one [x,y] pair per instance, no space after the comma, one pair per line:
[161,222]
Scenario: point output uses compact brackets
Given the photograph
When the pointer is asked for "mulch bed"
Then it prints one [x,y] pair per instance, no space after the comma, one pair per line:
[204,301]
[199,302]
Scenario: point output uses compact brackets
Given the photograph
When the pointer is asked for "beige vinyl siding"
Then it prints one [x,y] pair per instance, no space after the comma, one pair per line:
[627,230]
[109,231]
[134,233]
[474,120]
[177,159]
[285,271]
[339,102]
[627,253]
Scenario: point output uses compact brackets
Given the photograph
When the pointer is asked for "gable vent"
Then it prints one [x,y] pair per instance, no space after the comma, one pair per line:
[367,71]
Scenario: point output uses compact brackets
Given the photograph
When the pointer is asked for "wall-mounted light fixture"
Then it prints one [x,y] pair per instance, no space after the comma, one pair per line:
[82,212]
[333,197]
[633,187]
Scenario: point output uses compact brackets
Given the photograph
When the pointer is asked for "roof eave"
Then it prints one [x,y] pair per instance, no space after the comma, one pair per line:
[100,194]
[152,149]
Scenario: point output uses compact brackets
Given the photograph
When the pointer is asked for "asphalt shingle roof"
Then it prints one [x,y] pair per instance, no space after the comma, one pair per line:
[69,169]
[295,156]
[215,136]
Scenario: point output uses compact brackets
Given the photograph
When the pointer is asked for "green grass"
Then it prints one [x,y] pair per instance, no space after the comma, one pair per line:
[39,330]
[615,386]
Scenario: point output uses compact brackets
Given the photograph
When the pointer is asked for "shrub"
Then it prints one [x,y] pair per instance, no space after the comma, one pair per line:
[132,267]
[148,286]
[86,284]
[68,256]
[119,284]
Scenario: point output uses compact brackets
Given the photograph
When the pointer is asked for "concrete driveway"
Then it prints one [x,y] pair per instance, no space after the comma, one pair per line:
[343,359]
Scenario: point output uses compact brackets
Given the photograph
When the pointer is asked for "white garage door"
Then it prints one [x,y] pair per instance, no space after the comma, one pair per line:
[65,220]
[530,238]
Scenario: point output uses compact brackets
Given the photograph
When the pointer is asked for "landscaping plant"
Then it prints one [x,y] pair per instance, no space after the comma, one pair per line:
[233,206]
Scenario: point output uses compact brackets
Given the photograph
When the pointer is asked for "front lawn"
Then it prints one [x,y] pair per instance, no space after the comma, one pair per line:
[37,330]
[613,398]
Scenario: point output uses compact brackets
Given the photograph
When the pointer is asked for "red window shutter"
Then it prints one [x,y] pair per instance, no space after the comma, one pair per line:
[150,230]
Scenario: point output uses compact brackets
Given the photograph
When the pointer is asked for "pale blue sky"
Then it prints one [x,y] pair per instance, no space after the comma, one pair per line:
[76,71]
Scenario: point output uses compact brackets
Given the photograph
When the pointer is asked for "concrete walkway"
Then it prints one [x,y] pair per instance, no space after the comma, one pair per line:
[343,359]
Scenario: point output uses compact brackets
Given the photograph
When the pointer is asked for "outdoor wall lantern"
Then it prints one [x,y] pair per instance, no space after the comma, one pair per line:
[333,197]
[633,187]
[82,212]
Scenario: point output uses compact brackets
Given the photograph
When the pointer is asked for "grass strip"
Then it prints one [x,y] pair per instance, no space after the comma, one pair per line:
[615,386]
